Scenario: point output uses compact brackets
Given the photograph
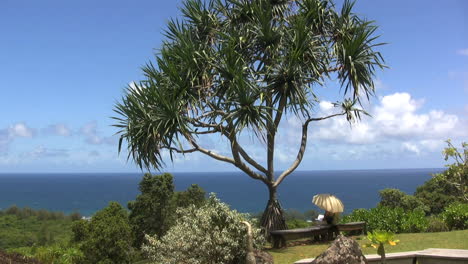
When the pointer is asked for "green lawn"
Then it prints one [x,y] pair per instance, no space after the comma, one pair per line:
[408,242]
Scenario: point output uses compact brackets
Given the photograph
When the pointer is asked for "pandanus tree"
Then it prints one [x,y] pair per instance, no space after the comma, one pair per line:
[241,66]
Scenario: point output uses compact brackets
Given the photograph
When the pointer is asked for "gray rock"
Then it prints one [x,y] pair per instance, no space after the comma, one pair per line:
[343,250]
[263,257]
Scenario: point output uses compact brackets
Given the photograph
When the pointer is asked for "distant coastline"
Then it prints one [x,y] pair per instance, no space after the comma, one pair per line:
[89,192]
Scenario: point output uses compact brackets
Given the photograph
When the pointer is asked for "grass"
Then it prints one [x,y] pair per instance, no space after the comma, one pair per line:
[408,242]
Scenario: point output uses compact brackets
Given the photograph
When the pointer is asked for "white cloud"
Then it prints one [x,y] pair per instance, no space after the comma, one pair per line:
[398,125]
[58,129]
[21,130]
[408,146]
[89,130]
[463,52]
[43,152]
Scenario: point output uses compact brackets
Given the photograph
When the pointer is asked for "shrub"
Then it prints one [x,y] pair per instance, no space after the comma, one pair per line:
[436,193]
[107,237]
[414,222]
[456,216]
[297,223]
[153,211]
[436,225]
[394,220]
[396,198]
[210,234]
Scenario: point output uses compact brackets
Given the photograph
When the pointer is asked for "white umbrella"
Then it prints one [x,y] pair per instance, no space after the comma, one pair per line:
[328,203]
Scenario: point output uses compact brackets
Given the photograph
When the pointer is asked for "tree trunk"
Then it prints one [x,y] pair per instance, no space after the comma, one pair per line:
[272,218]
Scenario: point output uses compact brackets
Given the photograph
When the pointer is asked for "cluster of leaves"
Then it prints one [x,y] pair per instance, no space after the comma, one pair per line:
[210,234]
[456,216]
[232,65]
[436,224]
[396,198]
[436,194]
[378,239]
[106,238]
[394,220]
[457,173]
[153,211]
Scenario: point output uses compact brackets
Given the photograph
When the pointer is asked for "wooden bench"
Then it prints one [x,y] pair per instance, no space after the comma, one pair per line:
[280,237]
[320,232]
[360,227]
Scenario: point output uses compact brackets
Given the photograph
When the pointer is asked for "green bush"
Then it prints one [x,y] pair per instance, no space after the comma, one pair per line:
[297,223]
[436,225]
[414,222]
[395,220]
[153,211]
[456,216]
[210,234]
[396,198]
[107,237]
[436,193]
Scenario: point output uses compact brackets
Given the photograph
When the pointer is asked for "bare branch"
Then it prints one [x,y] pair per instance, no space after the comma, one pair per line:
[250,160]
[183,151]
[302,148]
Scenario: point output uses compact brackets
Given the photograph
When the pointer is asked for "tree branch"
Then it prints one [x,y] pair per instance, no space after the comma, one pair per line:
[183,151]
[302,148]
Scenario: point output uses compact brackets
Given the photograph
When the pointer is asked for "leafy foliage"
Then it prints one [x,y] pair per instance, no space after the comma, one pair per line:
[396,198]
[394,220]
[210,234]
[436,224]
[456,173]
[107,237]
[378,239]
[153,211]
[53,254]
[456,216]
[25,227]
[436,193]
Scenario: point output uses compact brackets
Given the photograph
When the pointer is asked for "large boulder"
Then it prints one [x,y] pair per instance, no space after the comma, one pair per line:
[343,250]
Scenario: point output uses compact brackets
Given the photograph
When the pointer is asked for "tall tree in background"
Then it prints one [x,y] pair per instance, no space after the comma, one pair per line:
[240,66]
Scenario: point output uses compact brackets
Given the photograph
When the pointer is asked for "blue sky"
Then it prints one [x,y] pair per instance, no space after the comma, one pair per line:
[64,64]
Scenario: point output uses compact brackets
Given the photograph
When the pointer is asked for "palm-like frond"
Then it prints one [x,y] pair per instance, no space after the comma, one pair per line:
[231,65]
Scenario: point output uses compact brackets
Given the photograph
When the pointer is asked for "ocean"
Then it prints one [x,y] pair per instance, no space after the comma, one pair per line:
[89,192]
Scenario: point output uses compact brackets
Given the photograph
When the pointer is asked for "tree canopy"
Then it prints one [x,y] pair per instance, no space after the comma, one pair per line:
[234,66]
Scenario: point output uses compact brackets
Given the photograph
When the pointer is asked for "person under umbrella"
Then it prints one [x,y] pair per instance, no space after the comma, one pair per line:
[332,206]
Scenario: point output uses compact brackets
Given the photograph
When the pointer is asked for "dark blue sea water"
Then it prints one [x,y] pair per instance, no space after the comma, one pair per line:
[90,192]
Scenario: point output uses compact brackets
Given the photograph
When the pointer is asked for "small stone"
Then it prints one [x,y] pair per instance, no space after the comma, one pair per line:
[343,250]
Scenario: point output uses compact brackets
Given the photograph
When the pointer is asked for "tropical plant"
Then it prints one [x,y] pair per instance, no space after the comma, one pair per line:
[436,194]
[238,66]
[211,234]
[153,211]
[456,216]
[457,173]
[436,224]
[107,237]
[395,220]
[397,198]
[378,239]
